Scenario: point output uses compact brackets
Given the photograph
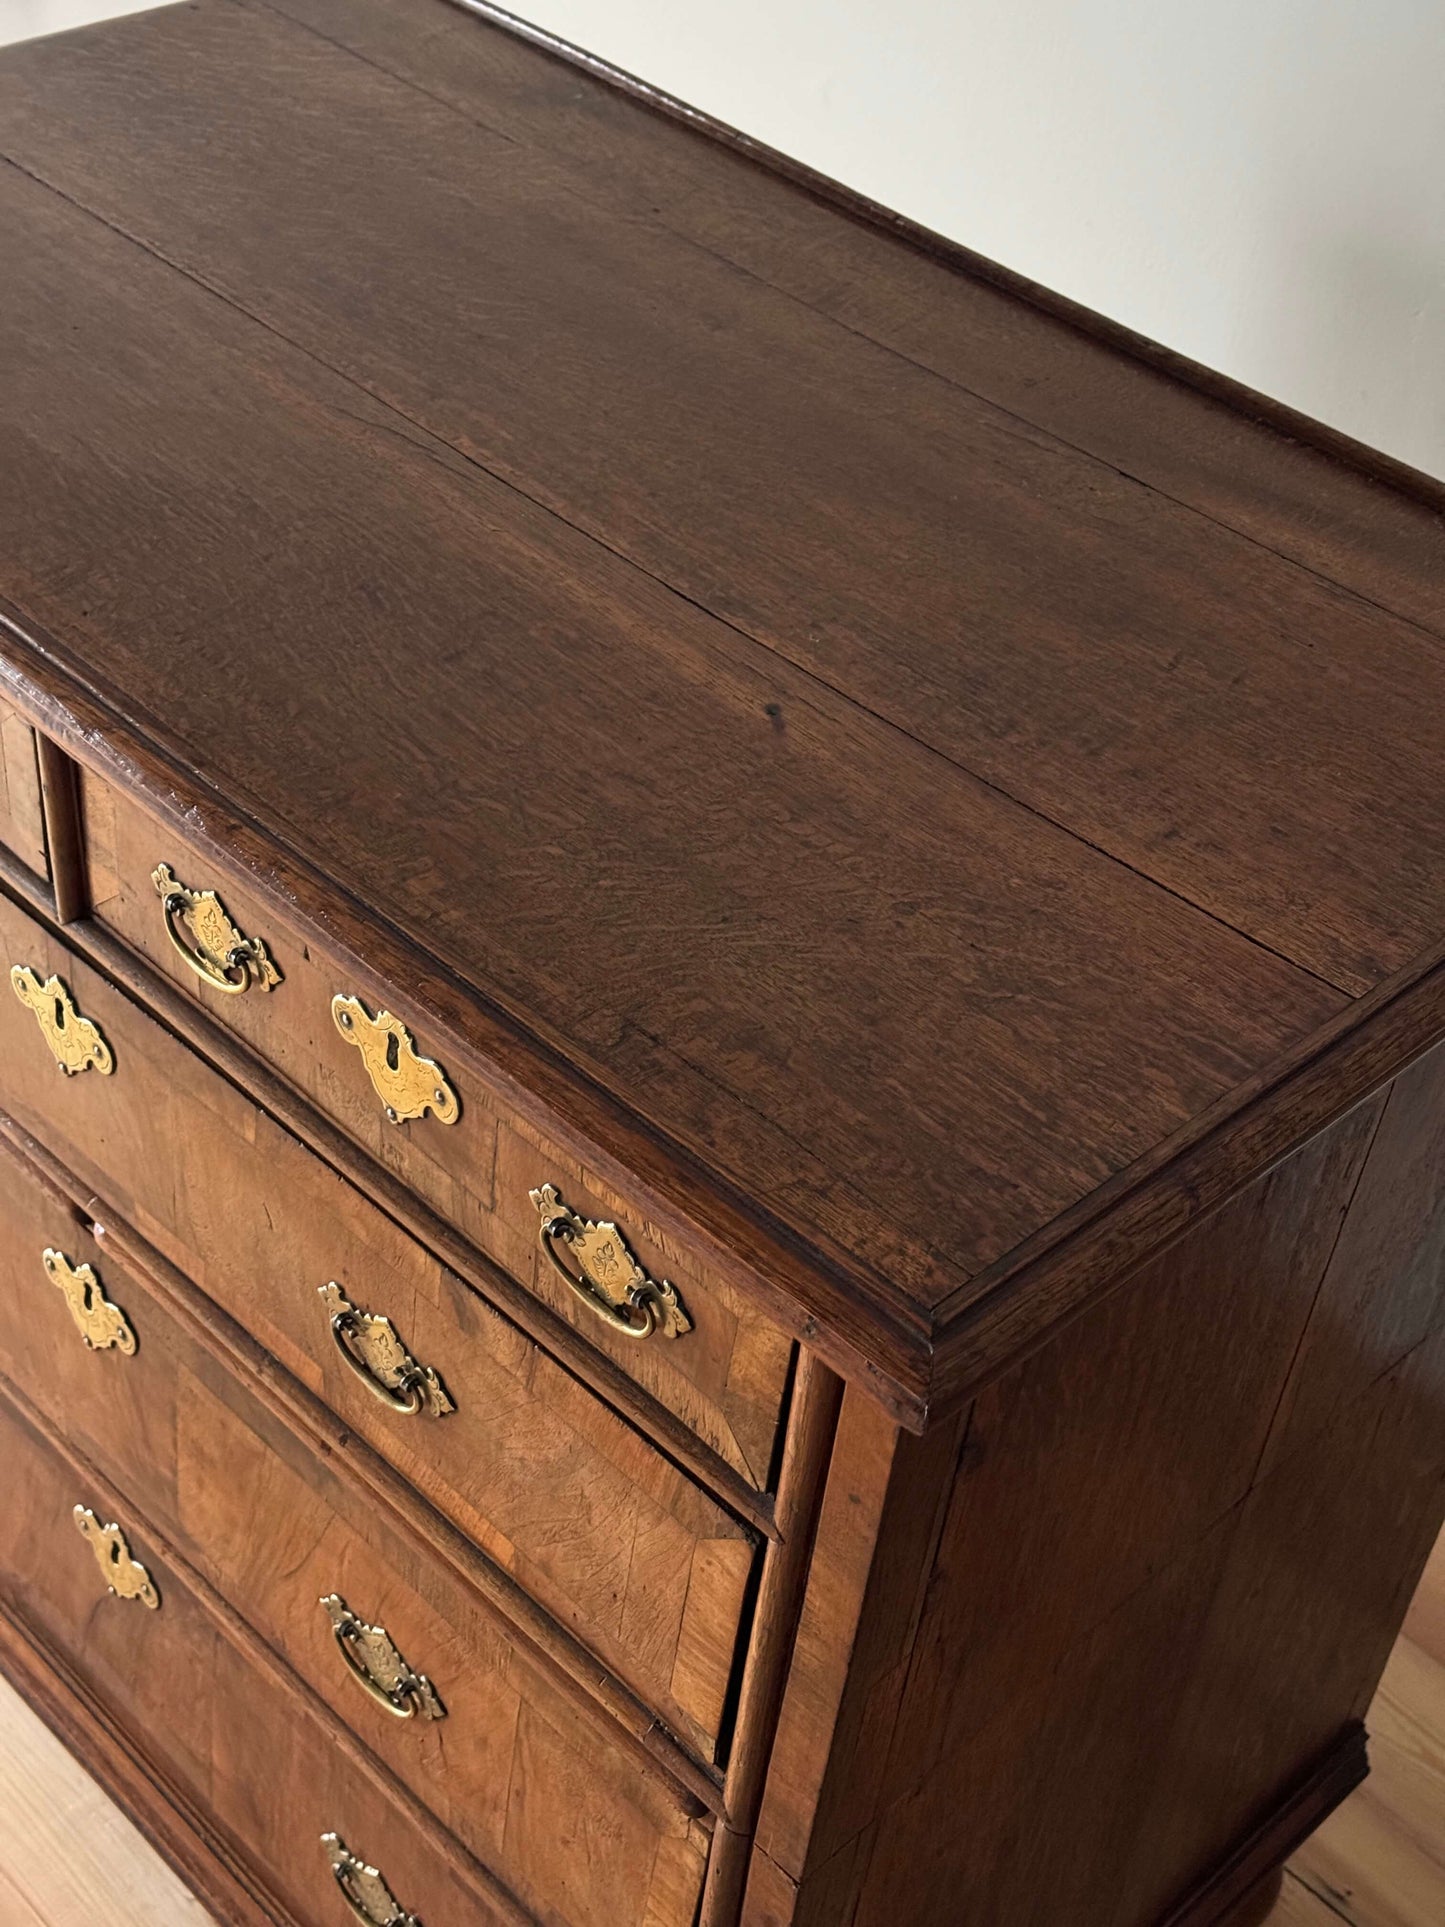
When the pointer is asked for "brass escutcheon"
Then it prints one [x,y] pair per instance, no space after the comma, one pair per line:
[75,1042]
[217,952]
[408,1085]
[124,1576]
[378,1668]
[370,1346]
[365,1892]
[101,1324]
[613,1285]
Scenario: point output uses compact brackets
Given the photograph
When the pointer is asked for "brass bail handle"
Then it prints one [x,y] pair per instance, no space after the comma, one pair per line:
[401,1704]
[210,944]
[370,1345]
[404,1398]
[608,1280]
[637,1320]
[373,1661]
[363,1888]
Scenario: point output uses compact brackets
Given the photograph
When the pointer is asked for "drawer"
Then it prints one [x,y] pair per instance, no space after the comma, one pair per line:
[545,1794]
[617,1542]
[471,1159]
[22,819]
[203,1707]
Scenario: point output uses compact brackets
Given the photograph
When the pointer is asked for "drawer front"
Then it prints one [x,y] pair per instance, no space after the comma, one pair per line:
[226,1729]
[542,1793]
[725,1377]
[22,820]
[612,1538]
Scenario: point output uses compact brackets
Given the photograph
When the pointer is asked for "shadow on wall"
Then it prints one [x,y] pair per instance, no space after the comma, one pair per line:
[1362,322]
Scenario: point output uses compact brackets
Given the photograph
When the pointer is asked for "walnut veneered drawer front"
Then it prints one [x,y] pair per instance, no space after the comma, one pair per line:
[683,1335]
[22,817]
[547,1796]
[203,1705]
[623,1547]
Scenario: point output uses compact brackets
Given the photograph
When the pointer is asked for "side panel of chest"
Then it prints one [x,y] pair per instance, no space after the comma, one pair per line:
[1169,1559]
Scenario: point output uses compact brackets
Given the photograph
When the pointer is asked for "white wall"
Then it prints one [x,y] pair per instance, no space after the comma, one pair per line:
[1258,183]
[23,19]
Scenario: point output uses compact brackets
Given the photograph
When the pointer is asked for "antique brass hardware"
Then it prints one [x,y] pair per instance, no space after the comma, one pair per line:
[217,952]
[371,1348]
[613,1285]
[378,1668]
[407,1085]
[365,1892]
[75,1042]
[101,1324]
[125,1576]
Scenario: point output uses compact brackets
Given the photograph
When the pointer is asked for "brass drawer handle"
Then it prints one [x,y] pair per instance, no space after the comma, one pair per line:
[102,1325]
[386,1368]
[363,1889]
[378,1668]
[613,1285]
[211,945]
[408,1085]
[124,1575]
[75,1042]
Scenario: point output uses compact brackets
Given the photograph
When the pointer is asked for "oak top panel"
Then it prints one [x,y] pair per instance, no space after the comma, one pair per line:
[895,806]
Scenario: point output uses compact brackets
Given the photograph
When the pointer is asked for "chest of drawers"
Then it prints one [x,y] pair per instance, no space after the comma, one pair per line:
[722,1133]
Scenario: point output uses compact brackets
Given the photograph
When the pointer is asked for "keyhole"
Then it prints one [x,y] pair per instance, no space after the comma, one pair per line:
[393,1051]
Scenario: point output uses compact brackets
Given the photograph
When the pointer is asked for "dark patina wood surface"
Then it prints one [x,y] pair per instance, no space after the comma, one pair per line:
[919,804]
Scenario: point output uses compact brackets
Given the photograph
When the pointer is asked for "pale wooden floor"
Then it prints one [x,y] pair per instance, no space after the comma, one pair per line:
[1380,1861]
[68,1858]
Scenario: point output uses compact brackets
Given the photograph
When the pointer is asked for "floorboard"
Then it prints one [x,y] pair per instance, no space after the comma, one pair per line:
[1299,1906]
[68,1856]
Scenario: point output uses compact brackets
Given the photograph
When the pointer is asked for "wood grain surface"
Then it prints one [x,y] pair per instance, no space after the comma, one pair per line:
[1133,703]
[982,883]
[930,822]
[638,1561]
[727,1382]
[1379,1861]
[1025,348]
[22,821]
[204,1703]
[774,922]
[543,1793]
[1136,1609]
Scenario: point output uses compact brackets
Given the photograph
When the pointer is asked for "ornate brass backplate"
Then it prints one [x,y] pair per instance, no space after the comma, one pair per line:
[407,1085]
[74,1041]
[126,1577]
[101,1324]
[613,1284]
[367,1894]
[217,951]
[370,1346]
[378,1667]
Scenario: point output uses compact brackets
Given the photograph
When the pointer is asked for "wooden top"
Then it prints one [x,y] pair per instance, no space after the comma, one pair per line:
[937,796]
